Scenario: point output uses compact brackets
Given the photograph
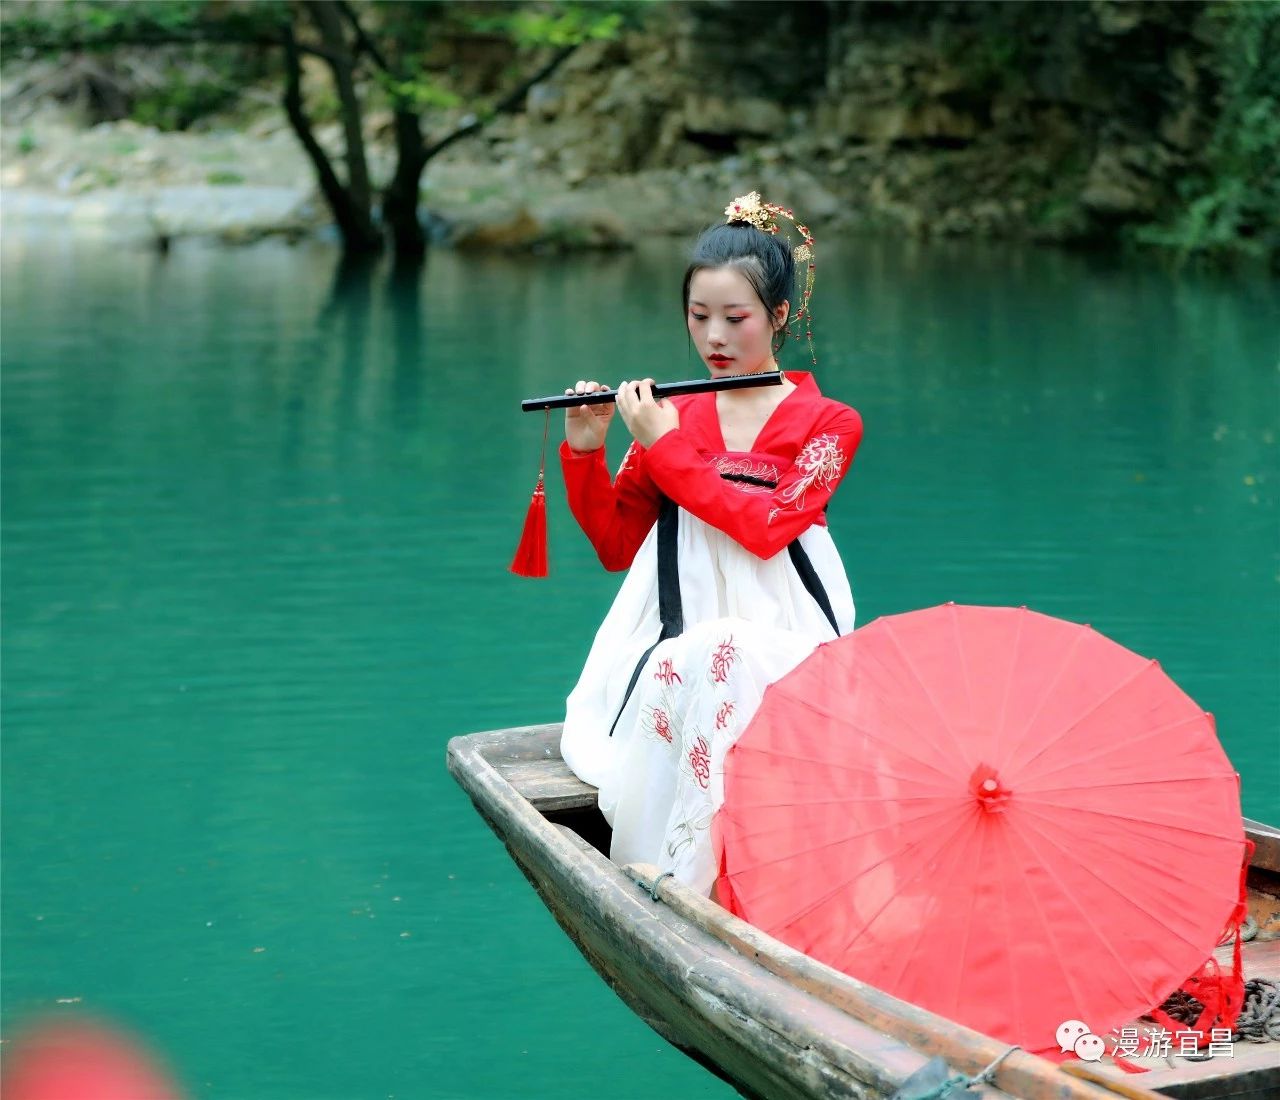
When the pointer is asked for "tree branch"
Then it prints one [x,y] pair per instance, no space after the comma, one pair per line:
[508,103]
[358,233]
[363,41]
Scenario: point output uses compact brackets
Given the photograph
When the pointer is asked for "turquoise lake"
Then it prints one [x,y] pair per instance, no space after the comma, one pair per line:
[257,514]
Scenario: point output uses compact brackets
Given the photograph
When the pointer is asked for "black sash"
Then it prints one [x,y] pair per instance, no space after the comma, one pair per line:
[670,607]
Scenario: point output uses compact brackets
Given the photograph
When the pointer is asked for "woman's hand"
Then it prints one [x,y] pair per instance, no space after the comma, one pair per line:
[585,426]
[647,418]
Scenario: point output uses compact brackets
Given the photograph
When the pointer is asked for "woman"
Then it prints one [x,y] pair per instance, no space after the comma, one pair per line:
[718,512]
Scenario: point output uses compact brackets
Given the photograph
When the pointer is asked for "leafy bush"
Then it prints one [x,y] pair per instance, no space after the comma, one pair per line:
[1232,204]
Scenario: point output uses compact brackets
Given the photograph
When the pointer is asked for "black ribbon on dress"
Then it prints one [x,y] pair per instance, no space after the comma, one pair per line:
[670,605]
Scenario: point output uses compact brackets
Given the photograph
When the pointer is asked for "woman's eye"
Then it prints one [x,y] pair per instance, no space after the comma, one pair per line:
[698,316]
[735,320]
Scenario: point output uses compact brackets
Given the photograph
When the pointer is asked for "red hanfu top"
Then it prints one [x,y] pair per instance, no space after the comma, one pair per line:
[763,498]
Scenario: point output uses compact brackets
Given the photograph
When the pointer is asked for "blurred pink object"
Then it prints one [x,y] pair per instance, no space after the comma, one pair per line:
[81,1061]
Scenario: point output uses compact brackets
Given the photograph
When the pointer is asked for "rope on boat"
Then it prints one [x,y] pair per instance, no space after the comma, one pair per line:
[653,890]
[1259,1020]
[910,1089]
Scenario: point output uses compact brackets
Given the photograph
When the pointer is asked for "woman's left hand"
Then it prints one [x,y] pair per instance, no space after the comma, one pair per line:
[647,418]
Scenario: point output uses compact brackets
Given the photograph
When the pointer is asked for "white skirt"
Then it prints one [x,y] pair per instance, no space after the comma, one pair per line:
[747,622]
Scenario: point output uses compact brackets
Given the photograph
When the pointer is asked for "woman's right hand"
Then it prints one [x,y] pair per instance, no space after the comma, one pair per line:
[585,426]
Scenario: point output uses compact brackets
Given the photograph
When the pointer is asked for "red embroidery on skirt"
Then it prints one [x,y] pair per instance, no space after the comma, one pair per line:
[724,714]
[666,673]
[700,762]
[722,659]
[656,720]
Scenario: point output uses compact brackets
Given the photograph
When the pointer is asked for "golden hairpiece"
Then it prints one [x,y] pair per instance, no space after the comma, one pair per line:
[752,210]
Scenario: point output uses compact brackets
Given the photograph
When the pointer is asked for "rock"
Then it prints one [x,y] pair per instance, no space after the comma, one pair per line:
[1122,181]
[710,114]
[544,101]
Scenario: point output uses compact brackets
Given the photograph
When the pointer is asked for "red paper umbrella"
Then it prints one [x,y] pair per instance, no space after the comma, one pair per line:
[999,816]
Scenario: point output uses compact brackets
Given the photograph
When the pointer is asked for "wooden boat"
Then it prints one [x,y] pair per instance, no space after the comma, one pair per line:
[771,1021]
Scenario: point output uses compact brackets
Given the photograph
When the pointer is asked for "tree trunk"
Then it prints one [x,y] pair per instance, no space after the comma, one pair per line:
[354,222]
[325,15]
[400,200]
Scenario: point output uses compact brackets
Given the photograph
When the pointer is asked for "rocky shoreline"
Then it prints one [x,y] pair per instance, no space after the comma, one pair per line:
[896,126]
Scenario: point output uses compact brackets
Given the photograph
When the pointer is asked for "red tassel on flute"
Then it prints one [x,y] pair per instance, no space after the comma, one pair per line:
[531,554]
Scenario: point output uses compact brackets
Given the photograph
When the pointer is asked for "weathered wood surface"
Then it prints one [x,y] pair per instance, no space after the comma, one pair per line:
[769,1039]
[731,1000]
[1266,839]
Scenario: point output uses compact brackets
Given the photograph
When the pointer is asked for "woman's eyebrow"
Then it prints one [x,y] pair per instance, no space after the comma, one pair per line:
[731,305]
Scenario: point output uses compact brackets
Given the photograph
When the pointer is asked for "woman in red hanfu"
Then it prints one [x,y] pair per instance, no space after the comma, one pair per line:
[717,511]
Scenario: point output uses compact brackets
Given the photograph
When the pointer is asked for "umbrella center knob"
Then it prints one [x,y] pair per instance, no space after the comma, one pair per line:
[986,786]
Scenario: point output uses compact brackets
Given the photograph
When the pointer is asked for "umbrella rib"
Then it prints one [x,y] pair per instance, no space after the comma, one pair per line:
[1047,690]
[1196,832]
[1072,857]
[789,826]
[967,924]
[1097,705]
[924,688]
[842,800]
[1110,747]
[852,724]
[845,840]
[1014,992]
[960,659]
[842,885]
[1003,720]
[957,866]
[1145,781]
[1046,925]
[823,899]
[858,768]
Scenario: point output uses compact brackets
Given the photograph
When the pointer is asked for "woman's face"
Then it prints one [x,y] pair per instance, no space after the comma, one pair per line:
[728,323]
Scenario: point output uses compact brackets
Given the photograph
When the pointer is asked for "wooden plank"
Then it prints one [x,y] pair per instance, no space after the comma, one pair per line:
[753,1013]
[965,1050]
[548,785]
[540,742]
[528,757]
[776,1041]
[1266,839]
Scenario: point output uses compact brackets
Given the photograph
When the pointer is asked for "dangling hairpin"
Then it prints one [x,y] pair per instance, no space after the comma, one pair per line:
[752,210]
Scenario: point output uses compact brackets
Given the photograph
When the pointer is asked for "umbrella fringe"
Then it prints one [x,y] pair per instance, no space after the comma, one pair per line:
[1218,996]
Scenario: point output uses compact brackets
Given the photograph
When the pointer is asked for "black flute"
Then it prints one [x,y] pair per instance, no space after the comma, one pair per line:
[660,389]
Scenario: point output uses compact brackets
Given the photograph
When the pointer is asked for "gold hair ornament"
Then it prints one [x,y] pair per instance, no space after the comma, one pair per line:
[752,210]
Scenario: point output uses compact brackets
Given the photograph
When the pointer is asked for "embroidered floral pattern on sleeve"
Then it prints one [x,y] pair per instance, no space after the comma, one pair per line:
[745,467]
[628,461]
[820,464]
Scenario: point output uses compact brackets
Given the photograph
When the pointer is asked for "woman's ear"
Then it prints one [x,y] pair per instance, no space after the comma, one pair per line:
[780,316]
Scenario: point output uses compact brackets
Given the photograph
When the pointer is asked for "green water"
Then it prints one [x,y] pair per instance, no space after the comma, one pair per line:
[256,524]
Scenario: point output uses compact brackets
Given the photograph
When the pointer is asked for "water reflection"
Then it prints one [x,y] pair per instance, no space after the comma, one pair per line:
[258,508]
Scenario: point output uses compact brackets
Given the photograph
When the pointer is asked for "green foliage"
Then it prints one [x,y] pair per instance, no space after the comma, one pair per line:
[181,102]
[419,93]
[27,143]
[53,28]
[223,178]
[1232,206]
[565,25]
